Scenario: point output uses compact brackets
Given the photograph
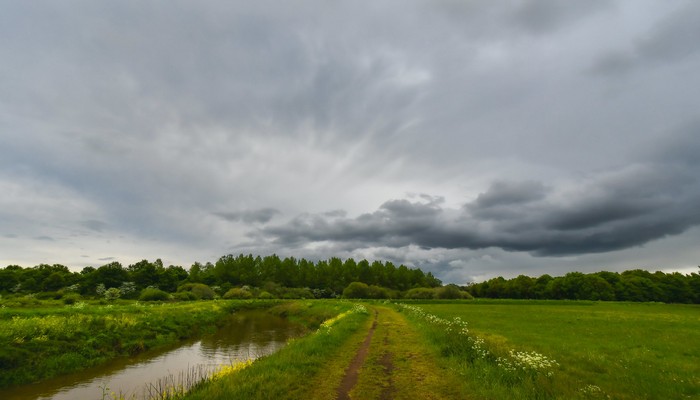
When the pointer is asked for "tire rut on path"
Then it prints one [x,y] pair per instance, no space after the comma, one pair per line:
[387,363]
[352,373]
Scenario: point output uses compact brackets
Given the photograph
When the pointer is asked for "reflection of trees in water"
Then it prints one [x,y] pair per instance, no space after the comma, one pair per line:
[250,333]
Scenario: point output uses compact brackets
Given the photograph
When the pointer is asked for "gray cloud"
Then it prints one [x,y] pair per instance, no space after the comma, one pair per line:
[609,211]
[672,40]
[94,225]
[126,125]
[540,16]
[261,216]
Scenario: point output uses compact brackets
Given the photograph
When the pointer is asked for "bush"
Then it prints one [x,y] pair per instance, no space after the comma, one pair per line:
[112,294]
[378,292]
[297,293]
[151,294]
[200,290]
[265,295]
[49,295]
[451,291]
[238,293]
[71,298]
[184,296]
[356,290]
[420,293]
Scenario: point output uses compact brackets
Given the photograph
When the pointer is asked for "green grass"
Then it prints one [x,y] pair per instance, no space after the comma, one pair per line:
[401,365]
[45,341]
[290,373]
[627,350]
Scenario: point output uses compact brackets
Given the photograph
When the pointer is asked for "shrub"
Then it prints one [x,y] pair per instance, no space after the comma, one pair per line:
[265,295]
[200,290]
[151,294]
[420,293]
[378,292]
[296,293]
[184,296]
[49,295]
[112,294]
[356,290]
[238,293]
[71,298]
[451,291]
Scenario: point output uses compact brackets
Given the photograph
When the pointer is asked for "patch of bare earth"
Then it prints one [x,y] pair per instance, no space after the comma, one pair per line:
[388,365]
[352,373]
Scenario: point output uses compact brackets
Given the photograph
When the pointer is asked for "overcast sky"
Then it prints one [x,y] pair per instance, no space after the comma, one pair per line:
[469,138]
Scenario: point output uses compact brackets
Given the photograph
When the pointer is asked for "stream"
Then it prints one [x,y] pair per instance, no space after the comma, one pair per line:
[245,335]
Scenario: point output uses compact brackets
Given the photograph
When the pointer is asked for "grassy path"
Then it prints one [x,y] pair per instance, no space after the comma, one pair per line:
[353,372]
[396,364]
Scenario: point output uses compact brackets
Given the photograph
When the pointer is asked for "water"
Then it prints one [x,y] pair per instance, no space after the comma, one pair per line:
[246,335]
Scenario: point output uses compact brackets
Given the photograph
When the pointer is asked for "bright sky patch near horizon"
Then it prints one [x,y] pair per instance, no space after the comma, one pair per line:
[468,138]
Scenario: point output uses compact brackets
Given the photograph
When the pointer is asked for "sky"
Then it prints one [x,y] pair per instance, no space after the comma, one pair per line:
[469,138]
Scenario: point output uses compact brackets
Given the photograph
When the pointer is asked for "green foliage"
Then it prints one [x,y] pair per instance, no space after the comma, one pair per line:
[420,293]
[199,290]
[633,285]
[71,298]
[184,296]
[265,295]
[356,290]
[238,293]
[112,294]
[37,343]
[451,291]
[152,294]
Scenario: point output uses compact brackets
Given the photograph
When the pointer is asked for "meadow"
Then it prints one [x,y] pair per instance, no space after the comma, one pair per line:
[601,349]
[442,349]
[487,349]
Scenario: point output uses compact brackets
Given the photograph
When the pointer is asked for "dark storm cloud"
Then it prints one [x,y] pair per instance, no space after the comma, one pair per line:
[508,193]
[609,211]
[260,216]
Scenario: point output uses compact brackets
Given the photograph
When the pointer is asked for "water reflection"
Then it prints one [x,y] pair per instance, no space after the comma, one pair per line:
[246,335]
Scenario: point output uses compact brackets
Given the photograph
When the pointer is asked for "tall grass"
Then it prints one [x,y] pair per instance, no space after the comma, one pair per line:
[289,373]
[45,342]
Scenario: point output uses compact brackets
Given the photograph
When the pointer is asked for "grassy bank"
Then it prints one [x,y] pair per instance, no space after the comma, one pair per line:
[292,372]
[46,341]
[602,350]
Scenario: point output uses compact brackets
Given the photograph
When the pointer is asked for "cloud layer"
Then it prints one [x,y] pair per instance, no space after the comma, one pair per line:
[548,136]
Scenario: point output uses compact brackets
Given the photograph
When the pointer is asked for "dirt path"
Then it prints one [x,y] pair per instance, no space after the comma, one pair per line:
[394,363]
[353,372]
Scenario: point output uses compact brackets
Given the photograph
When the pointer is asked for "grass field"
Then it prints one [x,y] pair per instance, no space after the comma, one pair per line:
[478,349]
[604,349]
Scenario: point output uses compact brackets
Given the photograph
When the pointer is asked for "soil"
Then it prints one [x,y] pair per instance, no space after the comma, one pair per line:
[352,373]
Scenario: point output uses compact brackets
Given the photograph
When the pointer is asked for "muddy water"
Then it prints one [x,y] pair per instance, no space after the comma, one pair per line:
[246,335]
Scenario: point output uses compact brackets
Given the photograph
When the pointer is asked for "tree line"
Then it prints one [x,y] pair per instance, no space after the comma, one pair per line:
[325,278]
[632,285]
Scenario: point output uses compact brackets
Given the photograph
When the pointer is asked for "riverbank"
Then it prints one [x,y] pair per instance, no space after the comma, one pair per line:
[44,342]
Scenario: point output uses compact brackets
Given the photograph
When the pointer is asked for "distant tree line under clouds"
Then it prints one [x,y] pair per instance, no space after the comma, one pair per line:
[248,276]
[325,278]
[632,285]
